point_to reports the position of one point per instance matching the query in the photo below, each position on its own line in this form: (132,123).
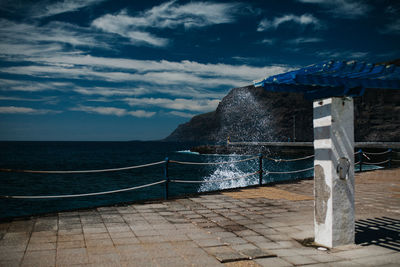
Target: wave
(188,152)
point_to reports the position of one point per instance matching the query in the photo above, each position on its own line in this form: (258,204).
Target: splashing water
(230,171)
(245,118)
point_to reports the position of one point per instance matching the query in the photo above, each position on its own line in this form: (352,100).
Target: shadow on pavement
(383,231)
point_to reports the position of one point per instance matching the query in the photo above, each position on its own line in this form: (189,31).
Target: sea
(72,156)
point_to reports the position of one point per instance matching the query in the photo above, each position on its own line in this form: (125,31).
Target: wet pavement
(250,227)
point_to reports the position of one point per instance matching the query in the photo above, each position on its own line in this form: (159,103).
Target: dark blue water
(103,155)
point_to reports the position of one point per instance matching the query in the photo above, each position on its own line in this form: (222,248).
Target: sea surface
(104,155)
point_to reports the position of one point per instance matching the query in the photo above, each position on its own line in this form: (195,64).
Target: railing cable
(214,181)
(87,194)
(287,160)
(211,163)
(85,171)
(287,172)
(377,153)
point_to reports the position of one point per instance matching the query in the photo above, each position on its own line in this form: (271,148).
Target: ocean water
(104,155)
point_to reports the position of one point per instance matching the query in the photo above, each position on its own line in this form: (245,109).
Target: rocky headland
(254,114)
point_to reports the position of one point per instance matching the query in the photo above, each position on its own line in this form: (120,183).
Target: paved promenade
(249,227)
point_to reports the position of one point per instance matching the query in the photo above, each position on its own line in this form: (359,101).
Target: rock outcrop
(253,114)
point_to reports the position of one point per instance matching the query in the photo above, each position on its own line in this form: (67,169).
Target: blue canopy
(334,78)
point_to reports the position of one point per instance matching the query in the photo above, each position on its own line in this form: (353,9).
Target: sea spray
(244,118)
(233,170)
(223,176)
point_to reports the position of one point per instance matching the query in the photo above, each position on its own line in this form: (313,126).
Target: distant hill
(254,114)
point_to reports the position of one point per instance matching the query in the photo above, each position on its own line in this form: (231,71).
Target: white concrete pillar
(334,171)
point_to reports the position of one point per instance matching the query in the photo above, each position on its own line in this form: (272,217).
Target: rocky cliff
(253,114)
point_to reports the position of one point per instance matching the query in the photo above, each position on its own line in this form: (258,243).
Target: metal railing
(261,171)
(364,158)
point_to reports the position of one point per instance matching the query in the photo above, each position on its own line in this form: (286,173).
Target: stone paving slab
(249,228)
(230,256)
(257,254)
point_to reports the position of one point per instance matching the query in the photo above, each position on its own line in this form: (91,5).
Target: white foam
(228,171)
(188,152)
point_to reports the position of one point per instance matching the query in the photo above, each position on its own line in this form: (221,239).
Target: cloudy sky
(128,70)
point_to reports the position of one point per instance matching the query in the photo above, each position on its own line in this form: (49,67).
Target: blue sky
(134,70)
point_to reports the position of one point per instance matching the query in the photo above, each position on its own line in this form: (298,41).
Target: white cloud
(31,86)
(136,27)
(303,20)
(151,72)
(101,110)
(46,52)
(348,55)
(172,15)
(22,39)
(192,14)
(161,78)
(50,99)
(181,114)
(392,28)
(167,15)
(41,9)
(13,49)
(25,110)
(123,25)
(141,113)
(202,105)
(342,8)
(110,91)
(138,37)
(302,40)
(133,78)
(181,91)
(114,111)
(264,25)
(144,66)
(268,41)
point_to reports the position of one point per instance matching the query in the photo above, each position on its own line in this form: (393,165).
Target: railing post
(361,158)
(390,158)
(260,156)
(166,177)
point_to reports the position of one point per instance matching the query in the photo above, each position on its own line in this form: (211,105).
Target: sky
(99,70)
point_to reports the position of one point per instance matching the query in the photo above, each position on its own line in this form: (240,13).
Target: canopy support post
(334,219)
